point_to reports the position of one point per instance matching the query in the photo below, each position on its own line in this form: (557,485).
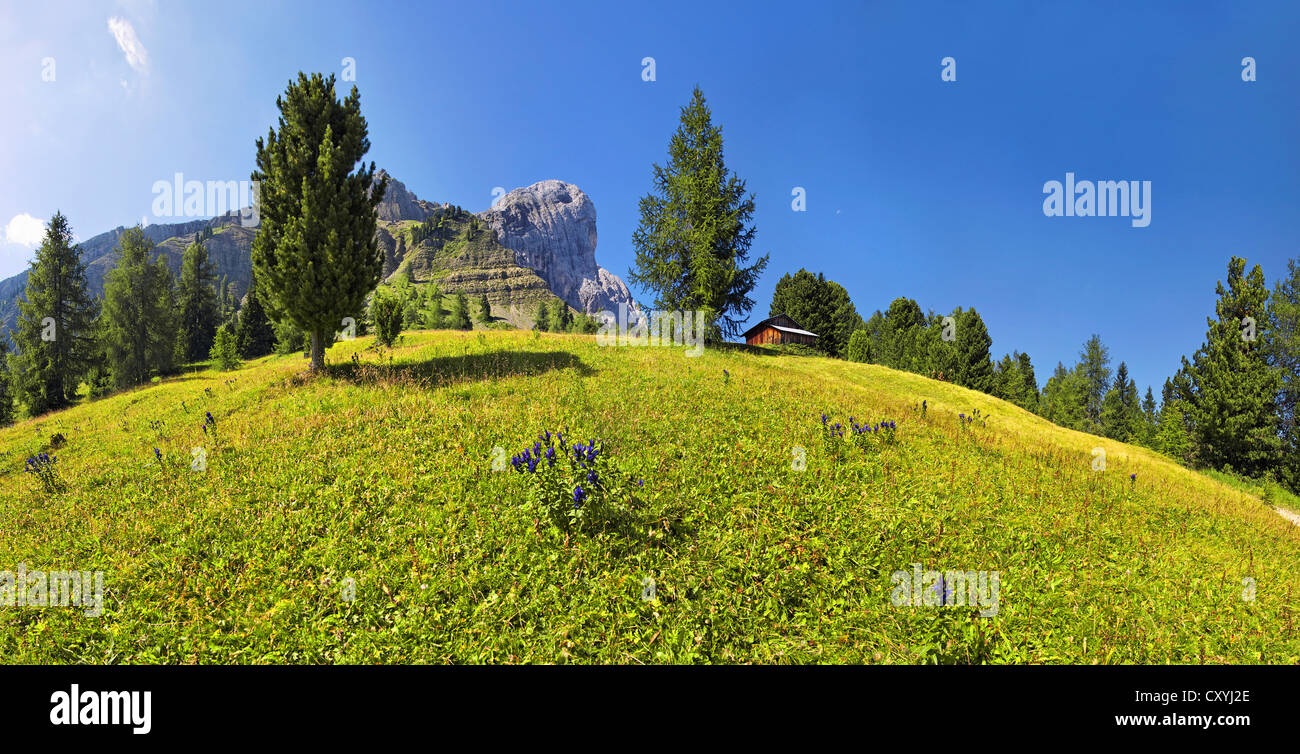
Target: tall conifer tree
(693,241)
(197,302)
(315,251)
(139,321)
(55,329)
(1233,388)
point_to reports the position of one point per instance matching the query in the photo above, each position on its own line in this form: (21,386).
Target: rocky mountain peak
(399,203)
(551,227)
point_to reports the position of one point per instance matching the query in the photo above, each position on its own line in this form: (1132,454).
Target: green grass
(383,473)
(1270,491)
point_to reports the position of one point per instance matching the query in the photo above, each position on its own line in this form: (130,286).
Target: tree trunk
(317,351)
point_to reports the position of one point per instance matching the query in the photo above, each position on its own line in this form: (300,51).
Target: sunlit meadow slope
(382,473)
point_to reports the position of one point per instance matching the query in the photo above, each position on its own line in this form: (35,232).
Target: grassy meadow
(376,482)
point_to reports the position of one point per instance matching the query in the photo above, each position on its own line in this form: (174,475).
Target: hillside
(382,472)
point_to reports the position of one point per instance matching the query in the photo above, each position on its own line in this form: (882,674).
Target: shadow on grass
(446,369)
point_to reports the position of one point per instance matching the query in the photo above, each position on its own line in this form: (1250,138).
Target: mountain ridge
(548,263)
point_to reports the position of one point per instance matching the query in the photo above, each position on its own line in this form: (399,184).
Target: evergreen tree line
(148,322)
(1231,407)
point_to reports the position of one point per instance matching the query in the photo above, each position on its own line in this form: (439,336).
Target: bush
(224,350)
(387,313)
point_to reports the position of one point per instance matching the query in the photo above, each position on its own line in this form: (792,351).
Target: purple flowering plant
(570,481)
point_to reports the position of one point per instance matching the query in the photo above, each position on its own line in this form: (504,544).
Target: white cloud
(136,55)
(24,229)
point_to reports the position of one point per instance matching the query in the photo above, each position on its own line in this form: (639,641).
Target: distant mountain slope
(538,240)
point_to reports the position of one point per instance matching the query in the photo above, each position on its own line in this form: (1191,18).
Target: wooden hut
(778,330)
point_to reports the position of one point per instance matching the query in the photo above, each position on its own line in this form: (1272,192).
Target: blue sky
(915,186)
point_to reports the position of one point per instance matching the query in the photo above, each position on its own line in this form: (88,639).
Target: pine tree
(224,352)
(460,313)
(255,336)
(1121,413)
(561,318)
(900,332)
(1172,437)
(99,380)
(386,311)
(859,346)
(1029,390)
(1147,435)
(974,364)
(693,239)
(434,318)
(54,335)
(1233,388)
(1094,368)
(542,321)
(315,251)
(197,302)
(484,309)
(1063,399)
(139,318)
(819,305)
(1013,384)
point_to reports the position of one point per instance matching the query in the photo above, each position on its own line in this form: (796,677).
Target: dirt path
(1288,515)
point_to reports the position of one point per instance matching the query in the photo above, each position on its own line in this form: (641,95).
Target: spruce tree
(255,336)
(197,302)
(315,251)
(54,334)
(1233,388)
(694,237)
(543,319)
(139,319)
(484,309)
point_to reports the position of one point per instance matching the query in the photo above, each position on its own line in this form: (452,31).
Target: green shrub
(387,313)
